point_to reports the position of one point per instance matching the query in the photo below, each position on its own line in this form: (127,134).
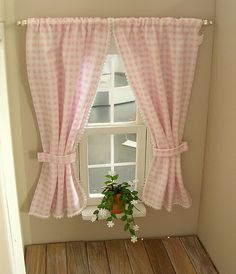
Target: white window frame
(111,128)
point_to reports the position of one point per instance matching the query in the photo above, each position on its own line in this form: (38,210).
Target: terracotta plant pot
(117,206)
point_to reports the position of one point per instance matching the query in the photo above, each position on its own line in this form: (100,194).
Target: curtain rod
(23,22)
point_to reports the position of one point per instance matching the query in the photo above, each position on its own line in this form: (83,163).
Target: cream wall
(2,10)
(26,136)
(217,223)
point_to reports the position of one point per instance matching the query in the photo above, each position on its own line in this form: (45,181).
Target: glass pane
(101,99)
(99,115)
(120,79)
(97,179)
(126,173)
(99,149)
(124,109)
(125,147)
(100,112)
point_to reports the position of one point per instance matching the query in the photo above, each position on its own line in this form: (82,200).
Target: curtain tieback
(170,152)
(56,159)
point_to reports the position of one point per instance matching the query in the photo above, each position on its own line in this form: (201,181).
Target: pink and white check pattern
(65,57)
(160,56)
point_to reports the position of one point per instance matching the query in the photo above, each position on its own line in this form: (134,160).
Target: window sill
(87,213)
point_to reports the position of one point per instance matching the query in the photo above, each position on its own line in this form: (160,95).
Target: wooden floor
(182,255)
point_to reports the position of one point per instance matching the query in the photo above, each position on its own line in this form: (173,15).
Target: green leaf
(132,232)
(124,218)
(114,215)
(129,211)
(122,197)
(130,207)
(134,192)
(122,207)
(107,182)
(127,226)
(108,176)
(105,190)
(115,177)
(109,218)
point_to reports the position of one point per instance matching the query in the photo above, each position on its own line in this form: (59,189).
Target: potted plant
(118,202)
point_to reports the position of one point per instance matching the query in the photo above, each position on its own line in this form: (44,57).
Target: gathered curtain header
(123,21)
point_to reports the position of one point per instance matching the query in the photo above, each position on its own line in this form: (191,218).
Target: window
(115,136)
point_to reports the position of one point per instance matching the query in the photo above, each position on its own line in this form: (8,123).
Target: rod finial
(21,22)
(207,22)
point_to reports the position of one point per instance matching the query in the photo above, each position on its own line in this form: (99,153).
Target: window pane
(124,147)
(101,99)
(100,112)
(125,112)
(97,179)
(120,79)
(99,149)
(126,173)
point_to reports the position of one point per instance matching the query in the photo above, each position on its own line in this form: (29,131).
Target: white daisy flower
(103,212)
(111,173)
(130,183)
(94,218)
(134,202)
(135,227)
(135,181)
(134,239)
(110,224)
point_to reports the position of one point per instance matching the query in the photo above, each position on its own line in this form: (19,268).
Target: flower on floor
(134,202)
(134,239)
(110,224)
(94,218)
(135,227)
(103,212)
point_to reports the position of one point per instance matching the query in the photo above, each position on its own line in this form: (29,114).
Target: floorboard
(56,259)
(77,261)
(97,258)
(138,257)
(197,255)
(118,257)
(35,259)
(178,256)
(158,256)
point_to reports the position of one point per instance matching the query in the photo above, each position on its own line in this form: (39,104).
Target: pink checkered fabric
(65,57)
(160,56)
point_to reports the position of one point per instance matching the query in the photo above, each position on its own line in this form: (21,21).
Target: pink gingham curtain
(65,58)
(160,56)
